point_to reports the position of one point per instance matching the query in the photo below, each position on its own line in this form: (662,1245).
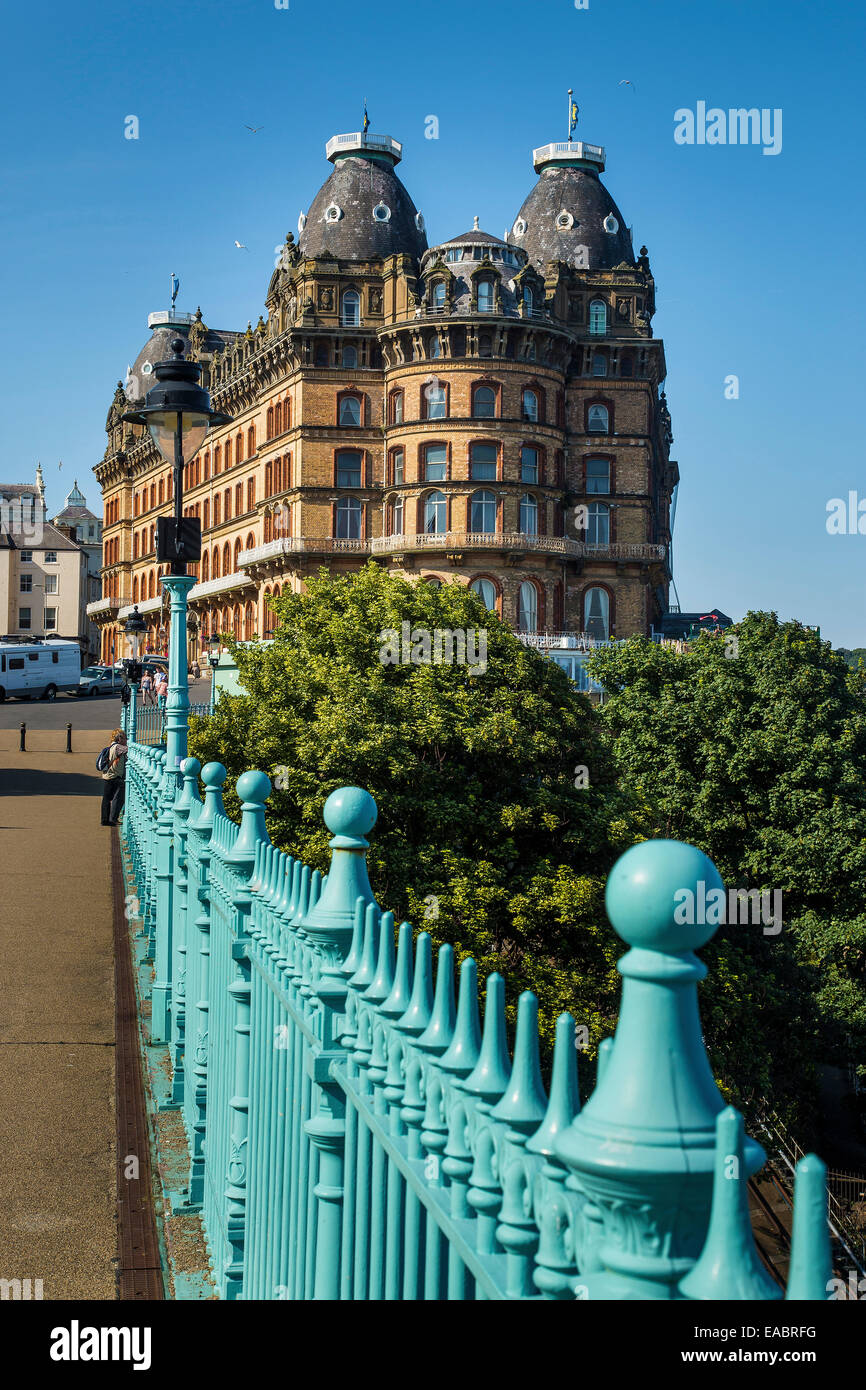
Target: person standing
(161,688)
(146,688)
(114,778)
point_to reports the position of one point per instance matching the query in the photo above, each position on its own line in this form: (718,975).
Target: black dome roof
(592,220)
(359,184)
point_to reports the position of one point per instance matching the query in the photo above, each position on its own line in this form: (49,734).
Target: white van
(38,669)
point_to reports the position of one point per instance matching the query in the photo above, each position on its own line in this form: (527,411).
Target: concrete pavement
(57,1058)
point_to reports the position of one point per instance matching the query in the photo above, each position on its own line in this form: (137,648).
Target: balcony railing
(568,149)
(102,606)
(476,540)
(237,580)
(356,139)
(301,545)
(622,552)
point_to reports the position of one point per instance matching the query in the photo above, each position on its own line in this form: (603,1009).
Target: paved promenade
(57,1054)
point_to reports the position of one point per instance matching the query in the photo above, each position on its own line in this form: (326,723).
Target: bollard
(22,747)
(69,738)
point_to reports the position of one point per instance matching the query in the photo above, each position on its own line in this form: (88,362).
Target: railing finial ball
(350,813)
(658,896)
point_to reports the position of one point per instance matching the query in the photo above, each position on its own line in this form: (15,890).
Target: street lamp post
(213,657)
(178,414)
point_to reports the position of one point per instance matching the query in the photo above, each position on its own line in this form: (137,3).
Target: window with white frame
(51,583)
(350,410)
(351,307)
(598,317)
(435,513)
(484,403)
(596,614)
(349,468)
(598,420)
(482,515)
(598,524)
(485,297)
(349,519)
(530,406)
(528,515)
(598,475)
(50,619)
(435,463)
(482,462)
(528,464)
(527,607)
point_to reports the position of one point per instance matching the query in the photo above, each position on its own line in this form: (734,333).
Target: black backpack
(102,760)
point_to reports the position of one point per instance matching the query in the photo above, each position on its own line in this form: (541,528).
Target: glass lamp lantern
(134,629)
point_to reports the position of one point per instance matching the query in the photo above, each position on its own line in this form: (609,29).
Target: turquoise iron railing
(356,1133)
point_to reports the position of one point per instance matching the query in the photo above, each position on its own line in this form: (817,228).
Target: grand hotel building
(490,410)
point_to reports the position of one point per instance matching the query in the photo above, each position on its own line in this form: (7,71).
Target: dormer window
(381,213)
(598,317)
(519,228)
(351,306)
(528,300)
(439,295)
(485,297)
(333,213)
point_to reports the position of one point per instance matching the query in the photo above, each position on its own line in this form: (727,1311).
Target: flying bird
(241,247)
(254,128)
(626,82)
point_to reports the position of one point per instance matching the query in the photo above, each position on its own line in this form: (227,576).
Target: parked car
(100,680)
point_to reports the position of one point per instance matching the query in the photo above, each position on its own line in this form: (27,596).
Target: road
(97,712)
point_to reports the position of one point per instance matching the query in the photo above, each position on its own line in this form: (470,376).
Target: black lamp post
(213,658)
(134,629)
(178,414)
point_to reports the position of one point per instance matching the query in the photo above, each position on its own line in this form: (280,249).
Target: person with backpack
(112,764)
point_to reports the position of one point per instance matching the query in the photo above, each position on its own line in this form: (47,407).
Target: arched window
(349,356)
(248,622)
(227,558)
(349,468)
(237,553)
(161,491)
(350,410)
(153,495)
(227,504)
(239,447)
(434,347)
(270,422)
(598,475)
(438,299)
(206,515)
(217,458)
(239,499)
(482,462)
(435,513)
(530,406)
(484,402)
(135,546)
(598,524)
(527,607)
(135,505)
(598,317)
(485,297)
(349,519)
(251,441)
(599,364)
(216,510)
(486,591)
(268,527)
(598,420)
(395,407)
(205,567)
(435,462)
(236,622)
(228,454)
(351,308)
(528,301)
(151,584)
(215,568)
(596,614)
(135,589)
(287,414)
(397,467)
(482,512)
(251,493)
(435,400)
(528,515)
(395,527)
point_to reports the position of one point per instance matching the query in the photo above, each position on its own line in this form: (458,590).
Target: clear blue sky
(758,259)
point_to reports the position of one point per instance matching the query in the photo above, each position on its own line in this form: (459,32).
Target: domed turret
(362,211)
(569,215)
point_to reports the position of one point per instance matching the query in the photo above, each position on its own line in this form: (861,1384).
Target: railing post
(22,748)
(253,788)
(69,738)
(185,807)
(643,1148)
(350,814)
(132,712)
(164,859)
(213,776)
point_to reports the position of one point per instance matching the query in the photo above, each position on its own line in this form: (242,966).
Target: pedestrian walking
(196,671)
(112,764)
(161,688)
(146,688)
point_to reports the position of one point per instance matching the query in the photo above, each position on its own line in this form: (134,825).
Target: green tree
(751,744)
(483,837)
